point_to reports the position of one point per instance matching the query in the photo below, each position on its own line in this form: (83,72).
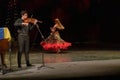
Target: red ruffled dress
(54,42)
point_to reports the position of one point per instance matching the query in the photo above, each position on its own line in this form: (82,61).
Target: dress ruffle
(55,46)
(54,42)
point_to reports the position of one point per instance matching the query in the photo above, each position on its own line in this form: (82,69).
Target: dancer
(54,42)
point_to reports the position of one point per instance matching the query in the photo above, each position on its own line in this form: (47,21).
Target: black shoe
(29,65)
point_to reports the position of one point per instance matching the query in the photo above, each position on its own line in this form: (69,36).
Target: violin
(31,20)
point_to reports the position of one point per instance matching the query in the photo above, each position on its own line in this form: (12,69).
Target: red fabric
(55,46)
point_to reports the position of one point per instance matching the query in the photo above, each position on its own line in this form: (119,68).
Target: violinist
(23,29)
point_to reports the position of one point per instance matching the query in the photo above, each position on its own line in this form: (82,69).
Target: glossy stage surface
(70,64)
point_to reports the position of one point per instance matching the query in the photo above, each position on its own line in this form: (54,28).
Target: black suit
(23,41)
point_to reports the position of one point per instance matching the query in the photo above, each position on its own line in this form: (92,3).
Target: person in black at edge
(23,37)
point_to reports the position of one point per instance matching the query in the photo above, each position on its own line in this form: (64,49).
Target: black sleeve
(18,23)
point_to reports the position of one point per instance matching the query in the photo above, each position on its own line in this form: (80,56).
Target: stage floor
(70,64)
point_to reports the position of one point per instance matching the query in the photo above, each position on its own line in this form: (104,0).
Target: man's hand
(25,24)
(35,21)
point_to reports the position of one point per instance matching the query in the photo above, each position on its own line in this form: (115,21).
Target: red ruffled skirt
(55,46)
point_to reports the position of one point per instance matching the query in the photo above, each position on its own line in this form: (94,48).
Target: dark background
(88,23)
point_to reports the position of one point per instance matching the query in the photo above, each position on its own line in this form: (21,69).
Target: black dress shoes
(29,65)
